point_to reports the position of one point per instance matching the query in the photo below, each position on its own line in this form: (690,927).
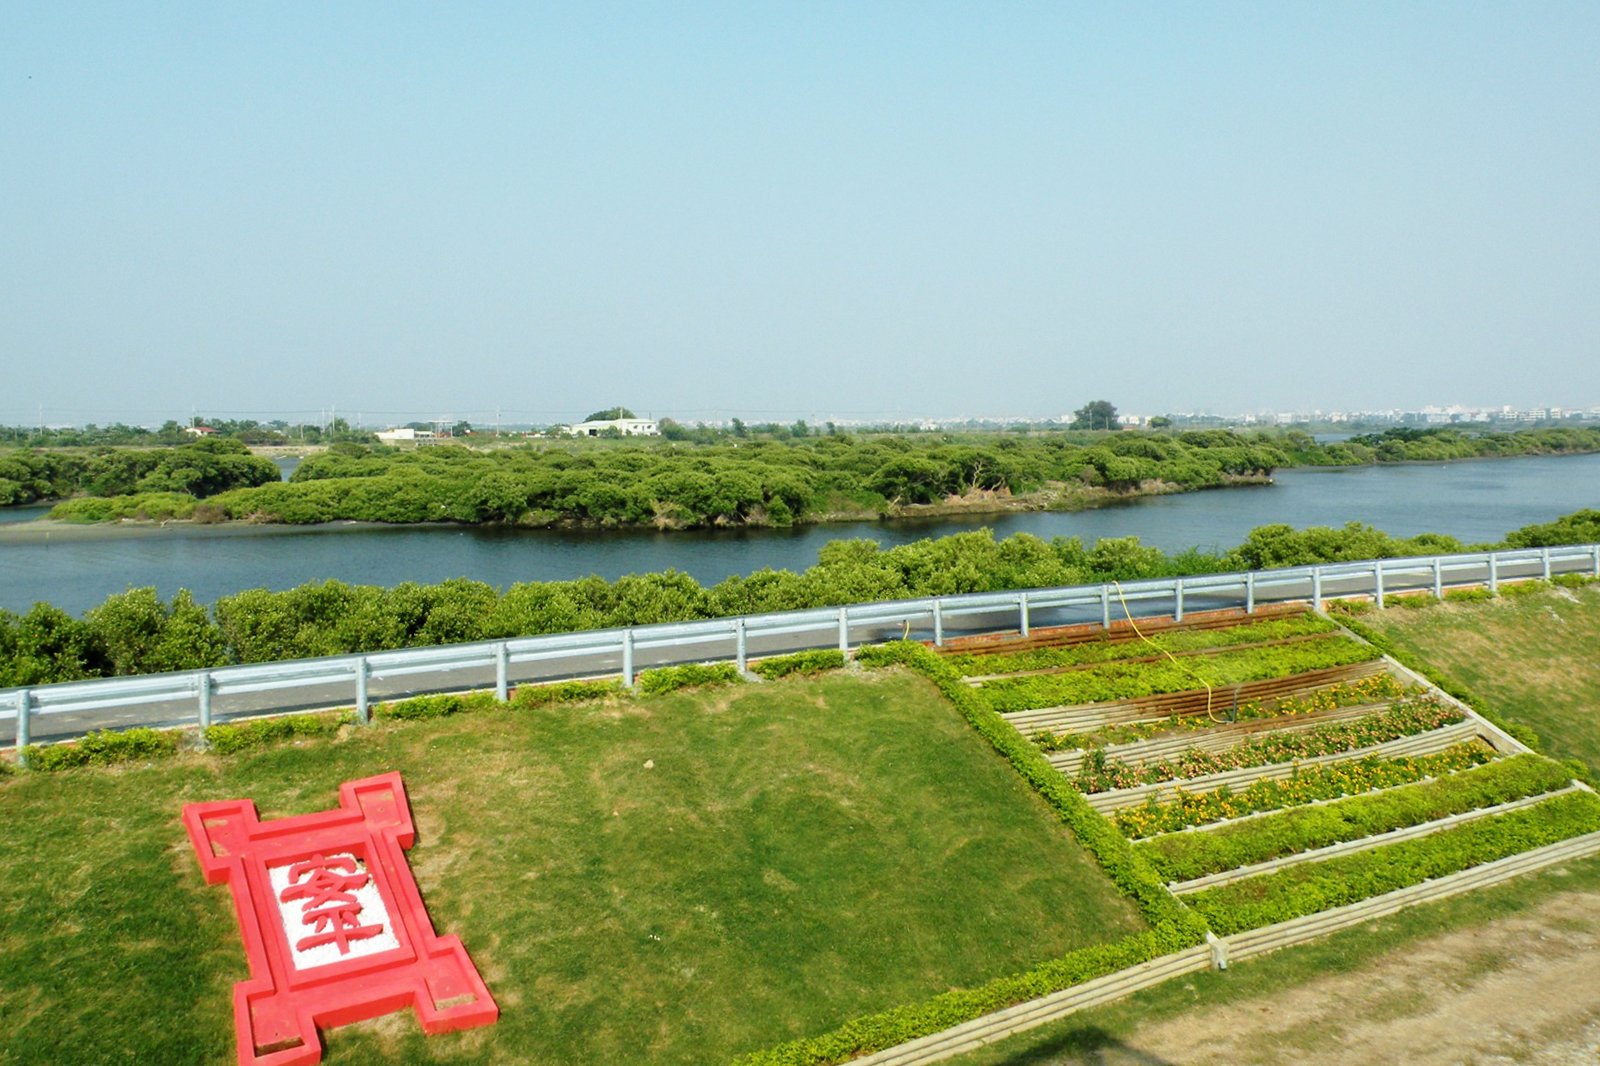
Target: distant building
(200,431)
(628,427)
(406,435)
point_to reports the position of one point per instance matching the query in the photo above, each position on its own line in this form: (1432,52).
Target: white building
(405,435)
(628,427)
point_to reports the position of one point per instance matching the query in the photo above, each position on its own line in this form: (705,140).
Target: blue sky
(807,209)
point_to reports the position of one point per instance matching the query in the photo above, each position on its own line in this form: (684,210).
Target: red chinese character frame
(278,1010)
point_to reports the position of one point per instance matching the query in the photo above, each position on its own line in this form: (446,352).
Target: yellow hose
(1140,634)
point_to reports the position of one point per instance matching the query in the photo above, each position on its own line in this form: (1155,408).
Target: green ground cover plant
(1307,785)
(1102,773)
(1317,886)
(1119,681)
(975,664)
(1186,856)
(798,853)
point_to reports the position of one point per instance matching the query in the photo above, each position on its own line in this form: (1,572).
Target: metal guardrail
(201,697)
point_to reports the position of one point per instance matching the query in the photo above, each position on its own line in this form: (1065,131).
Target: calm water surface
(1475,501)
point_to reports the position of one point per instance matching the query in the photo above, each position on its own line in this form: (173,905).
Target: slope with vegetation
(136,632)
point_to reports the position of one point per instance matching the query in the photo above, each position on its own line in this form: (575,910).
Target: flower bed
(1306,785)
(1186,856)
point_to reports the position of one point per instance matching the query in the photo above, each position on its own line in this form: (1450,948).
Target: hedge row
(103,748)
(690,675)
(1185,856)
(1100,773)
(1173,926)
(1307,785)
(1120,681)
(972,664)
(803,662)
(1313,887)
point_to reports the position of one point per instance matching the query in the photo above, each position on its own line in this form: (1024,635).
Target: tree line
(670,485)
(195,470)
(136,632)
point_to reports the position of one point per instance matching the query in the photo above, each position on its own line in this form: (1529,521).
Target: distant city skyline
(809,210)
(488,418)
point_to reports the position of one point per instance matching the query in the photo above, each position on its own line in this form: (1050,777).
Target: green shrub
(805,662)
(1102,774)
(104,747)
(690,675)
(1185,856)
(527,696)
(1574,581)
(1313,887)
(1413,601)
(1472,595)
(1349,607)
(1516,589)
(419,707)
(233,737)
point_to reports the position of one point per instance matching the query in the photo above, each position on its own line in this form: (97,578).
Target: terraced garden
(1279,769)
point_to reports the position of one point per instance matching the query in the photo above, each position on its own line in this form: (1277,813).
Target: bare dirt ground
(1522,989)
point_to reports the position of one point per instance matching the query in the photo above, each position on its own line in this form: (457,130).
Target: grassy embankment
(1529,657)
(798,854)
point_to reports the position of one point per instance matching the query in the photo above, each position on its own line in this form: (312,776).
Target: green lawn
(1534,658)
(799,853)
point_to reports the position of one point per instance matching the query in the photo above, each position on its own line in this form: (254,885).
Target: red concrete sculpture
(334,927)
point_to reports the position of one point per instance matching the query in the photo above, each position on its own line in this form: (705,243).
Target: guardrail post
(1177,600)
(1544,558)
(363,711)
(741,657)
(502,670)
(938,623)
(1596,550)
(627,657)
(844,631)
(1022,614)
(24,734)
(202,691)
(1250,592)
(1377,584)
(1105,607)
(1494,574)
(1438,578)
(1316,588)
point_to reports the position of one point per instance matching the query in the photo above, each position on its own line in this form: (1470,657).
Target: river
(1477,501)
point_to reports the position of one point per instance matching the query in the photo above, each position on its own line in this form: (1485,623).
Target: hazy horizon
(796,210)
